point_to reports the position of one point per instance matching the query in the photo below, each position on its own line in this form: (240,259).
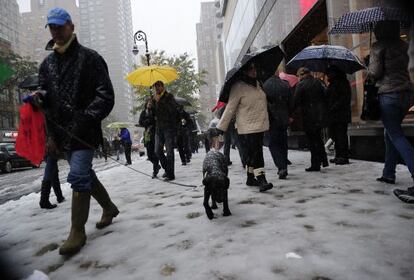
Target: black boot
(251,181)
(44,196)
(264,185)
(58,191)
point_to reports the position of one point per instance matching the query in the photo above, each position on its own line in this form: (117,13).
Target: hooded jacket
(79,95)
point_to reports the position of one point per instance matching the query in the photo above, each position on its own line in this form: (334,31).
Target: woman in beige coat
(248,103)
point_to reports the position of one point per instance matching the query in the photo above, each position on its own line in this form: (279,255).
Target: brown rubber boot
(80,212)
(110,210)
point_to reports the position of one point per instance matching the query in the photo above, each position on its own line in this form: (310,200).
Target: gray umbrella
(319,58)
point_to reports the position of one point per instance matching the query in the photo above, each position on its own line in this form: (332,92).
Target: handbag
(370,107)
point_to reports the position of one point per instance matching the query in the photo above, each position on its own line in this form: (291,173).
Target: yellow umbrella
(148,75)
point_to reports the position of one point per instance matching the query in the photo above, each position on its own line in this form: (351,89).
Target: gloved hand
(217,132)
(51,147)
(35,98)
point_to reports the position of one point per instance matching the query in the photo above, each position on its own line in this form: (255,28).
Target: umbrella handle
(370,35)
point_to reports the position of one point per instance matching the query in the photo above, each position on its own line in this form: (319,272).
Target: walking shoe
(282,173)
(169,178)
(251,181)
(332,160)
(183,163)
(406,196)
(386,180)
(263,184)
(156,170)
(313,168)
(164,175)
(341,161)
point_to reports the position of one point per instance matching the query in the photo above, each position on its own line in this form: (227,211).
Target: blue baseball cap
(57,16)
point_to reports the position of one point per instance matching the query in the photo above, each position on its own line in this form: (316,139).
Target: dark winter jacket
(125,136)
(185,123)
(279,101)
(339,100)
(310,96)
(147,119)
(166,112)
(389,59)
(116,144)
(79,95)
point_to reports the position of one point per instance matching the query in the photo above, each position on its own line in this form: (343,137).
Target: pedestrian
(310,96)
(167,118)
(126,142)
(116,146)
(339,113)
(147,120)
(388,67)
(247,102)
(50,180)
(279,105)
(106,149)
(183,136)
(78,96)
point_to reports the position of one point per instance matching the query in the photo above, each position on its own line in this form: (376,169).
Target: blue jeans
(81,173)
(278,146)
(394,107)
(51,169)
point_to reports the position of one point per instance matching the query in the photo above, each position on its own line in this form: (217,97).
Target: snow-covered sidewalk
(335,224)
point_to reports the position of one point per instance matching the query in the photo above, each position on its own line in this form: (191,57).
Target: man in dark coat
(78,95)
(279,105)
(310,96)
(166,118)
(339,114)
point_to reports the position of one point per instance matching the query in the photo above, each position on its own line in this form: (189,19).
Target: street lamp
(141,36)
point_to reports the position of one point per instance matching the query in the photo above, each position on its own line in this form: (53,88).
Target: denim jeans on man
(81,173)
(394,107)
(166,137)
(278,146)
(51,169)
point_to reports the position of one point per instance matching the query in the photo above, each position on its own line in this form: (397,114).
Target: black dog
(216,182)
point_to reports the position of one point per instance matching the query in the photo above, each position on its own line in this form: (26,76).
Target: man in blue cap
(78,96)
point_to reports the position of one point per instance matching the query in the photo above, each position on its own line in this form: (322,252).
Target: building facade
(10,23)
(9,42)
(34,35)
(106,26)
(209,54)
(294,25)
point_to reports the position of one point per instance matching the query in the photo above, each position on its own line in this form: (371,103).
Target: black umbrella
(30,82)
(266,60)
(363,21)
(182,101)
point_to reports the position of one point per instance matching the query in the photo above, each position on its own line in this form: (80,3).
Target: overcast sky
(169,24)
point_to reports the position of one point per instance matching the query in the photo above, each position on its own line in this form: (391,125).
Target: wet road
(24,181)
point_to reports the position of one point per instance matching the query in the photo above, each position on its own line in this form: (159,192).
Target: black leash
(127,166)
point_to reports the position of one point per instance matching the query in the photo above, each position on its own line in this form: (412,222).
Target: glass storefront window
(245,15)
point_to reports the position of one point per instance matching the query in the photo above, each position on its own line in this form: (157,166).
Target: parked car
(9,159)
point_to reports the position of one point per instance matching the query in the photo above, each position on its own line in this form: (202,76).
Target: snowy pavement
(335,224)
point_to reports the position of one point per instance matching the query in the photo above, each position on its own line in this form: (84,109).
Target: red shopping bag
(31,140)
